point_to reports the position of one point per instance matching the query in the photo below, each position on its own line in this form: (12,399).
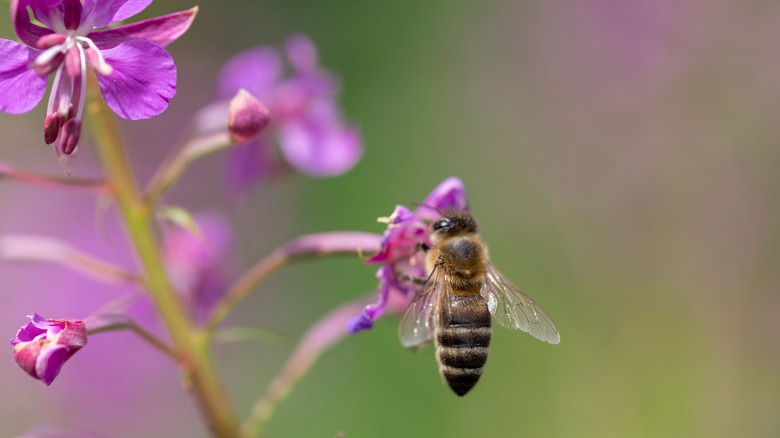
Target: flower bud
(42,346)
(247,117)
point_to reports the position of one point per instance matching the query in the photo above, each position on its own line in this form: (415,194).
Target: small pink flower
(42,346)
(400,256)
(308,127)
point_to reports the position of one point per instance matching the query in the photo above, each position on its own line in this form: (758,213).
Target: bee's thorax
(463,260)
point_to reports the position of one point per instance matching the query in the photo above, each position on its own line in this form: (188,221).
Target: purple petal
(27,333)
(365,320)
(48,12)
(143,80)
(251,163)
(101,13)
(320,150)
(38,321)
(161,30)
(302,53)
(449,195)
(28,32)
(50,362)
(255,70)
(20,87)
(359,323)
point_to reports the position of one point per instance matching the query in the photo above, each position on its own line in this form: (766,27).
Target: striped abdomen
(462,338)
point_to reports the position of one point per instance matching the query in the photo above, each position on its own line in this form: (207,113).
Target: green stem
(192,346)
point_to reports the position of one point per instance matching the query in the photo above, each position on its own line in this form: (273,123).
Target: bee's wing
(512,308)
(417,324)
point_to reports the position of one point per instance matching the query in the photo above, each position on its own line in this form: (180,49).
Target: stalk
(191,345)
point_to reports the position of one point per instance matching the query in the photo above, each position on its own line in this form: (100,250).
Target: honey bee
(454,305)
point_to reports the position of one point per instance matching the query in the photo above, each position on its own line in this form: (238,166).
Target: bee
(454,305)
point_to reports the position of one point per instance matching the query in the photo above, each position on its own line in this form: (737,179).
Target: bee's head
(454,223)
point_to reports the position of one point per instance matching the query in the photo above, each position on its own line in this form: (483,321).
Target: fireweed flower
(199,265)
(137,77)
(400,257)
(42,346)
(306,121)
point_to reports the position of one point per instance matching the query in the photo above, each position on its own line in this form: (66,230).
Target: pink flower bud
(42,346)
(247,117)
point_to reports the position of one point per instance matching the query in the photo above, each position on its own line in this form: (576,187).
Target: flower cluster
(307,124)
(137,77)
(42,346)
(400,257)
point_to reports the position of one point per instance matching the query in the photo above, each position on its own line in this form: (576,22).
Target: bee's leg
(410,279)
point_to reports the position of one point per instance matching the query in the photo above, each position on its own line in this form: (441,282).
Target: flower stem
(318,339)
(193,349)
(176,164)
(313,245)
(122,322)
(10,172)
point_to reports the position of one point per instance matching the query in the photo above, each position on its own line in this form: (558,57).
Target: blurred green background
(622,158)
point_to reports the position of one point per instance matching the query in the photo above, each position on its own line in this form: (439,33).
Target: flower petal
(50,361)
(143,80)
(251,163)
(320,150)
(20,87)
(255,70)
(27,333)
(301,53)
(161,30)
(28,32)
(101,13)
(449,195)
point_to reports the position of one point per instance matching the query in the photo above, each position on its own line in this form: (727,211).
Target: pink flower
(42,346)
(306,120)
(136,75)
(400,256)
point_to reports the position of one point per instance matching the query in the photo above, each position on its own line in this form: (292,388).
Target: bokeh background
(623,160)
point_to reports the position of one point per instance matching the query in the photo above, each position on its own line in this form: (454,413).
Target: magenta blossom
(306,120)
(400,256)
(42,346)
(136,75)
(199,265)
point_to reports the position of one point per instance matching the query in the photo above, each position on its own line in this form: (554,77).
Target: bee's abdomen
(462,341)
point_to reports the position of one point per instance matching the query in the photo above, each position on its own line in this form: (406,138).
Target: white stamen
(83,91)
(55,88)
(47,55)
(101,66)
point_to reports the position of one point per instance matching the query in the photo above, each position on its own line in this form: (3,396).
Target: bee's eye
(438,225)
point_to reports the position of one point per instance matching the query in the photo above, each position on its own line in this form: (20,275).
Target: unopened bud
(247,117)
(42,346)
(71,133)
